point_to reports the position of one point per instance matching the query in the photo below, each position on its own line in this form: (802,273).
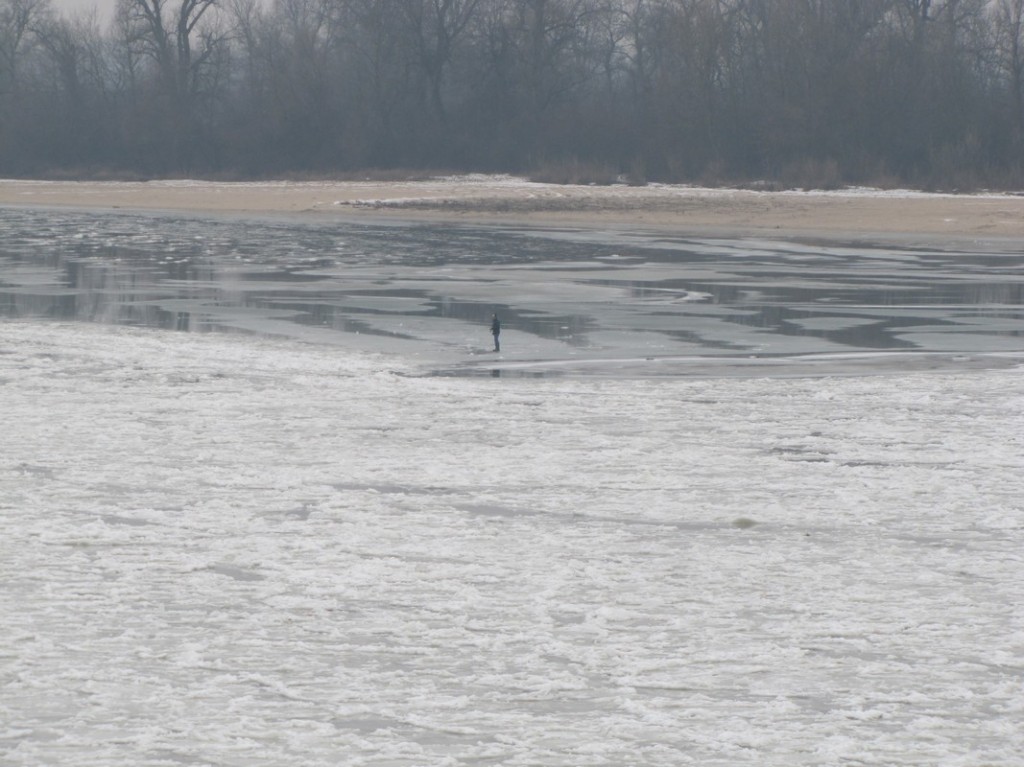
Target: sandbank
(505,199)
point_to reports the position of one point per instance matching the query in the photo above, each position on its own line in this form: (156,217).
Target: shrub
(811,173)
(575,172)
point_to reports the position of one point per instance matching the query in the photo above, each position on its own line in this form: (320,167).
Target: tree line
(802,92)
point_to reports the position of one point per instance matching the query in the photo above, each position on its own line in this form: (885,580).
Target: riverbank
(506,199)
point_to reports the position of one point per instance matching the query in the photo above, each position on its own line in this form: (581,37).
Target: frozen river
(605,301)
(233,549)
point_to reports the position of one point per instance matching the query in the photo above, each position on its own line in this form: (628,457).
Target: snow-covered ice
(225,550)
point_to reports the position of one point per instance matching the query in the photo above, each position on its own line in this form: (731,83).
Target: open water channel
(606,301)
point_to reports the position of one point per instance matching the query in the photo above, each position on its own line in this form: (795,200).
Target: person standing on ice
(496,331)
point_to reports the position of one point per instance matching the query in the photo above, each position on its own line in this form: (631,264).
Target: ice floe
(240,551)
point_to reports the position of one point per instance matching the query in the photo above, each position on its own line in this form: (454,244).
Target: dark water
(562,294)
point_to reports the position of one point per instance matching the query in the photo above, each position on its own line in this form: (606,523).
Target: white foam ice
(240,551)
(485,185)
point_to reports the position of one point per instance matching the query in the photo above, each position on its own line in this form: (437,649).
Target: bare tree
(174,39)
(184,46)
(18,21)
(303,80)
(1009,35)
(436,27)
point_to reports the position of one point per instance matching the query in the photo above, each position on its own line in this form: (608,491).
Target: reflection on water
(558,292)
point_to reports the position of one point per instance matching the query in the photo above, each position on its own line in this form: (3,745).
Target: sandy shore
(852,213)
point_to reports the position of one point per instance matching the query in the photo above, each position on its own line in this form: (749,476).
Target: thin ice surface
(234,551)
(577,301)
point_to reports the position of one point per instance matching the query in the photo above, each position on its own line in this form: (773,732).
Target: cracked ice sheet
(236,551)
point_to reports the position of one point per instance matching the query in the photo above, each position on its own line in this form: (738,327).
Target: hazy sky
(104,7)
